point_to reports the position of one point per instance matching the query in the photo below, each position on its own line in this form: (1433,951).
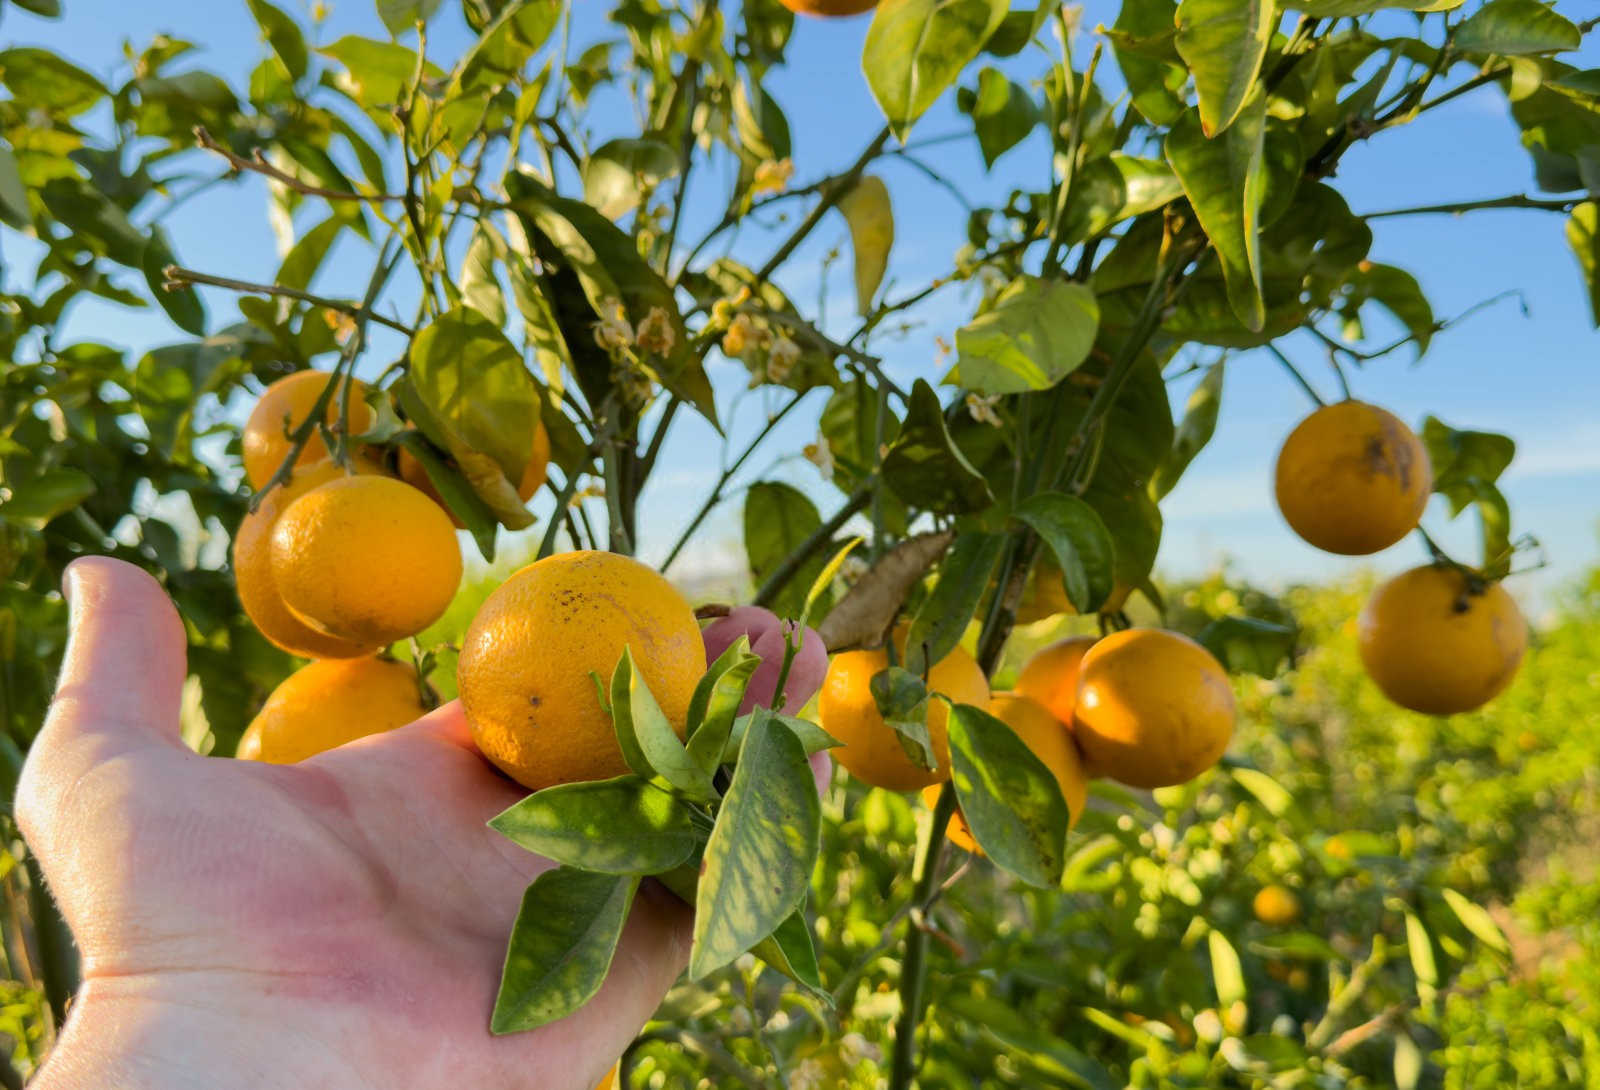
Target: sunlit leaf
(1077,537)
(915,49)
(283,34)
(1224,43)
(619,173)
(1003,113)
(866,209)
(1516,27)
(1011,801)
(1476,919)
(1036,333)
(626,825)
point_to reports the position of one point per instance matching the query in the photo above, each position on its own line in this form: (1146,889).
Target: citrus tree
(566,297)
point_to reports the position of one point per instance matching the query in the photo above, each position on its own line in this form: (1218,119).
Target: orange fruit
(1049,740)
(366,559)
(1045,595)
(1434,645)
(1352,479)
(1154,708)
(609,1082)
(283,405)
(829,8)
(524,669)
(871,749)
(1276,905)
(252,568)
(326,704)
(1051,675)
(533,474)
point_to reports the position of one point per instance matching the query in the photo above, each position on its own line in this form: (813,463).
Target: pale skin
(335,924)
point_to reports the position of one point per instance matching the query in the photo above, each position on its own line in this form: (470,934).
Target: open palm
(341,922)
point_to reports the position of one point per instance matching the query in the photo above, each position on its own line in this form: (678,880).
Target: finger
(121,683)
(447,723)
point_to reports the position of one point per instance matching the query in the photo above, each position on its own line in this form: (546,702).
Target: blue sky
(1534,377)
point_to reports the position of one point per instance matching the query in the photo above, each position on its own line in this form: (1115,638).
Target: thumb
(120,689)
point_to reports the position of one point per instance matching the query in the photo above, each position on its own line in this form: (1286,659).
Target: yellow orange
(1434,642)
(829,8)
(366,559)
(1352,479)
(1154,708)
(283,405)
(252,568)
(871,749)
(1276,905)
(524,672)
(1051,675)
(326,704)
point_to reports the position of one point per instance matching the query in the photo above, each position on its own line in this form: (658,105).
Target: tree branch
(178,277)
(1515,200)
(257,163)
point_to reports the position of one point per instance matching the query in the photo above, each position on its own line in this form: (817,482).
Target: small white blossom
(782,358)
(853,1048)
(655,333)
(612,332)
(982,409)
(820,455)
(809,1075)
(772,177)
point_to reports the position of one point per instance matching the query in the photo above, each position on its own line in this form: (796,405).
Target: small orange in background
(1154,708)
(1048,739)
(533,474)
(1352,479)
(1276,905)
(369,560)
(829,8)
(524,669)
(1051,675)
(326,704)
(1437,641)
(252,567)
(611,1080)
(283,405)
(870,749)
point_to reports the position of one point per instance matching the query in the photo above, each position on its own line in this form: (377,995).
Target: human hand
(337,923)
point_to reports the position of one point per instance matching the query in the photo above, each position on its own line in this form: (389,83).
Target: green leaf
(1583,235)
(1408,1062)
(1010,800)
(13,194)
(944,614)
(45,81)
(561,946)
(1224,43)
(50,9)
(1460,457)
(1199,424)
(473,379)
(1036,333)
(95,220)
(608,266)
(627,825)
(925,468)
(1003,113)
(646,735)
(1226,972)
(715,703)
(1249,645)
(480,286)
(791,951)
(1143,40)
(1420,946)
(813,739)
(1271,794)
(1338,9)
(619,173)
(1082,545)
(1029,1043)
(759,122)
(1516,28)
(915,49)
(1118,187)
(519,30)
(758,861)
(777,518)
(283,34)
(866,210)
(182,305)
(1225,182)
(458,494)
(400,16)
(35,501)
(1296,946)
(902,701)
(305,257)
(1018,28)
(376,73)
(1476,920)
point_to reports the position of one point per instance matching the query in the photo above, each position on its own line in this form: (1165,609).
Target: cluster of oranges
(1352,479)
(338,560)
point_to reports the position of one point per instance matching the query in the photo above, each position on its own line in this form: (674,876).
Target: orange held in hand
(326,704)
(533,474)
(283,406)
(1049,740)
(524,673)
(1051,675)
(1154,708)
(252,568)
(366,559)
(871,749)
(1436,640)
(1352,479)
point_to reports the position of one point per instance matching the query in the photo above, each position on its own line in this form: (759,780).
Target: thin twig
(1294,372)
(818,540)
(258,164)
(1515,200)
(831,194)
(178,277)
